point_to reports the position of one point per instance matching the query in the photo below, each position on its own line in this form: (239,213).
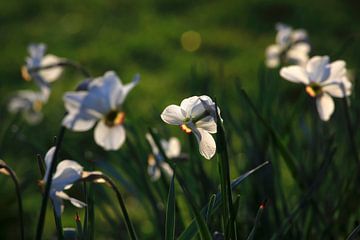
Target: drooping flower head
(67,173)
(322,80)
(29,104)
(172,149)
(195,115)
(101,104)
(291,46)
(36,59)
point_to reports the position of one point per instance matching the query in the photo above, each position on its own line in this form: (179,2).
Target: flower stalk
(12,174)
(41,220)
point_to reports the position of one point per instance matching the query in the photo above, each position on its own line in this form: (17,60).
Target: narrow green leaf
(257,220)
(192,229)
(224,172)
(170,212)
(210,207)
(288,157)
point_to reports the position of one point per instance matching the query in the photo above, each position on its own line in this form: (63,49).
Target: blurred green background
(145,37)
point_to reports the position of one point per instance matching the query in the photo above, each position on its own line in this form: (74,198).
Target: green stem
(63,63)
(18,195)
(41,220)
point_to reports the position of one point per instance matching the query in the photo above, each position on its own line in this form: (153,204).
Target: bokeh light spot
(191,41)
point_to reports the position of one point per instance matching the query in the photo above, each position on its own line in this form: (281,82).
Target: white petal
(298,54)
(299,35)
(75,123)
(51,74)
(85,106)
(208,124)
(110,138)
(67,172)
(174,148)
(188,104)
(294,74)
(125,89)
(57,203)
(272,55)
(167,169)
(318,69)
(337,70)
(173,114)
(48,159)
(207,145)
(75,202)
(325,106)
(151,141)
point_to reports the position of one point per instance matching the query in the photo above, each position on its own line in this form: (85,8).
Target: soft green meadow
(279,171)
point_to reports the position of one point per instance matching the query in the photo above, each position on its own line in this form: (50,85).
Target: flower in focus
(29,104)
(101,104)
(67,173)
(291,47)
(323,80)
(38,59)
(172,149)
(195,115)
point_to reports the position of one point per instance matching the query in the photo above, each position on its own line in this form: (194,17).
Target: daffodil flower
(290,46)
(323,80)
(195,115)
(101,104)
(67,173)
(38,59)
(29,104)
(172,149)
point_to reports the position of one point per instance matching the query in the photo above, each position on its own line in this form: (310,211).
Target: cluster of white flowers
(29,102)
(291,46)
(322,79)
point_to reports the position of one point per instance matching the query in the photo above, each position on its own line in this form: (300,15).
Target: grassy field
(311,183)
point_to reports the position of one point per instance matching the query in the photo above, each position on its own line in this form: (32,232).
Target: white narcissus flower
(172,149)
(323,80)
(195,115)
(67,173)
(101,104)
(29,104)
(36,59)
(290,46)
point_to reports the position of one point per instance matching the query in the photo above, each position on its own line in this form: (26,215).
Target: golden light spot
(25,73)
(185,128)
(190,41)
(37,105)
(114,118)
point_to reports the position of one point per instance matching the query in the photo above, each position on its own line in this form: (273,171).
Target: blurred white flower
(66,174)
(290,46)
(195,115)
(101,104)
(29,104)
(156,160)
(323,80)
(36,59)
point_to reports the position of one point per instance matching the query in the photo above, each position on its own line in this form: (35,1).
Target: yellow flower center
(37,105)
(313,89)
(114,118)
(185,128)
(25,73)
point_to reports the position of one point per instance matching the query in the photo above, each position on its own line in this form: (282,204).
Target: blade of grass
(354,234)
(257,220)
(288,157)
(224,172)
(170,212)
(192,229)
(210,208)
